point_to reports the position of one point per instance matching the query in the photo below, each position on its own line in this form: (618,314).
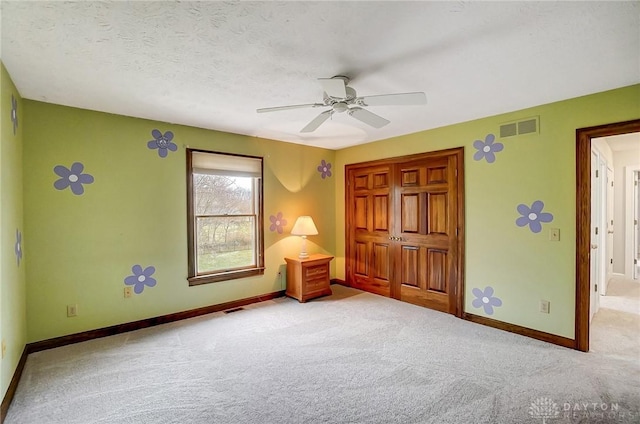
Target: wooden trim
(402,159)
(224,276)
(191,250)
(583,220)
(149,322)
(461,233)
(340,282)
(523,331)
(13,385)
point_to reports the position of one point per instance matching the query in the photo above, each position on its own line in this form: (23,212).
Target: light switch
(544,306)
(554,234)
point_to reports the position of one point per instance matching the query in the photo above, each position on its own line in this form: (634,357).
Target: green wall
(521,266)
(82,247)
(13,322)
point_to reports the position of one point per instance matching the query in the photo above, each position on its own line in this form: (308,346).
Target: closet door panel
(427,226)
(369,253)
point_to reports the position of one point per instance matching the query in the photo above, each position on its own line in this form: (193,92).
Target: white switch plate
(544,306)
(554,234)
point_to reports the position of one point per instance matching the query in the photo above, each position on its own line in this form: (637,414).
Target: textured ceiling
(212,64)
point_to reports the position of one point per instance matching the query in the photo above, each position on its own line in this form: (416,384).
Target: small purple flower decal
(533,216)
(485,299)
(18,246)
(140,278)
(325,169)
(487,148)
(277,223)
(73,178)
(162,142)
(14,113)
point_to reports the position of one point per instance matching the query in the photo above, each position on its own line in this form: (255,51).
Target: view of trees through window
(225,212)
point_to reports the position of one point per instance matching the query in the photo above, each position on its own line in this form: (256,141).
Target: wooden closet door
(405,229)
(369,208)
(425,224)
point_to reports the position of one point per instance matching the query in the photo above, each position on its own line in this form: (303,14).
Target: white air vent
(524,126)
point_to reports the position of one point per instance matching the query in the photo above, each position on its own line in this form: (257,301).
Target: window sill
(224,276)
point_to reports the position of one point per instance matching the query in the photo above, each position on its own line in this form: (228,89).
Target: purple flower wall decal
(162,142)
(487,148)
(533,216)
(73,178)
(18,246)
(486,299)
(140,278)
(14,113)
(277,223)
(325,169)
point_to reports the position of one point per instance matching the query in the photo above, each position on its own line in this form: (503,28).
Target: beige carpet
(349,358)
(615,329)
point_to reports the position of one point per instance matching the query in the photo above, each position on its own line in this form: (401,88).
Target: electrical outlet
(544,306)
(554,234)
(4,348)
(72,310)
(127,292)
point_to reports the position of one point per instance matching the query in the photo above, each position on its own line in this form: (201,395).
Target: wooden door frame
(583,220)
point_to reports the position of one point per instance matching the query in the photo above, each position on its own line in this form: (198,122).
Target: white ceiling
(212,64)
(624,142)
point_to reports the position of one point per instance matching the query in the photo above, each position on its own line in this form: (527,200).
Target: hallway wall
(621,160)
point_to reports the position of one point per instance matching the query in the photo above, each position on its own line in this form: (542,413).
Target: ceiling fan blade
(273,109)
(418,98)
(368,117)
(334,87)
(317,121)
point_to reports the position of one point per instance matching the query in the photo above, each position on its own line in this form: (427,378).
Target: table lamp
(304,227)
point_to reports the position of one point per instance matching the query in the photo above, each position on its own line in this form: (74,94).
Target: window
(224,208)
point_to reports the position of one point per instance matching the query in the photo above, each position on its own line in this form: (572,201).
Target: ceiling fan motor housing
(340,107)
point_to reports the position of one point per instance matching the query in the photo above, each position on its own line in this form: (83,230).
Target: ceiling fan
(339,98)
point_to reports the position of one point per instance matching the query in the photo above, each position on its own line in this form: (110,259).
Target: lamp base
(303,249)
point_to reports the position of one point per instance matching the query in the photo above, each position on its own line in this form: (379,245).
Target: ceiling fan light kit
(340,98)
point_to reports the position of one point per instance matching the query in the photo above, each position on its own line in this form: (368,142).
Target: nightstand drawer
(316,272)
(316,284)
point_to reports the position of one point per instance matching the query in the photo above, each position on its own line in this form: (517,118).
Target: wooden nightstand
(308,278)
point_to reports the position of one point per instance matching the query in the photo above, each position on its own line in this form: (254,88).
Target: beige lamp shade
(304,226)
